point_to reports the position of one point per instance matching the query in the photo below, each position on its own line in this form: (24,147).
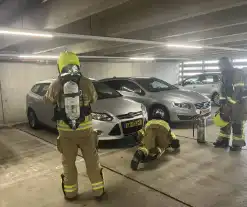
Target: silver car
(206,84)
(158,96)
(113,115)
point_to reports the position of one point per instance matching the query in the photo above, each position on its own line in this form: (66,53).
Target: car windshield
(155,84)
(105,91)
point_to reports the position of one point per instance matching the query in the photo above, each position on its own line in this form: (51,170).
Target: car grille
(115,131)
(131,130)
(203,105)
(129,115)
(183,117)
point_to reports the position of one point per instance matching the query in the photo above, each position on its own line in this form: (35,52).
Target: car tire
(32,119)
(162,110)
(216,99)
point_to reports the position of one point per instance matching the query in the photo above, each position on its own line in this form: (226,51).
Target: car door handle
(194,86)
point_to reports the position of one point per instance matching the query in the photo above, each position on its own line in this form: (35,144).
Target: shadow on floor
(155,164)
(188,125)
(7,155)
(126,142)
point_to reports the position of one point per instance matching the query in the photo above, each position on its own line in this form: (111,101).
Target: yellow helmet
(173,135)
(218,121)
(67,58)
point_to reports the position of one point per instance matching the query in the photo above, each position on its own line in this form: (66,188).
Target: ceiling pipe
(52,57)
(110,39)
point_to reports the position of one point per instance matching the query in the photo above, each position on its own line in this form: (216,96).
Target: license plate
(134,123)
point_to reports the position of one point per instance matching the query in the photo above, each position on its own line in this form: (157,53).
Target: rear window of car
(43,89)
(40,89)
(112,84)
(35,88)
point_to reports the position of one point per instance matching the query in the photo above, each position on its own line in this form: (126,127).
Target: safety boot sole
(100,197)
(235,148)
(138,157)
(221,144)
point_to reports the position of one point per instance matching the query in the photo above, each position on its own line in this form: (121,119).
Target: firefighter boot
(65,197)
(221,143)
(138,157)
(100,197)
(235,148)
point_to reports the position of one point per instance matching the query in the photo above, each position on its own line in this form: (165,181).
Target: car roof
(45,81)
(121,78)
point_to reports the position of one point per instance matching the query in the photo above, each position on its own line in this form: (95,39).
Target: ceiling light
(192,68)
(39,56)
(240,66)
(212,68)
(211,61)
(239,60)
(26,34)
(192,62)
(184,46)
(142,58)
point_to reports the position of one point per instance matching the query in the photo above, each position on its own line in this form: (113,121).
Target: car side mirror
(138,91)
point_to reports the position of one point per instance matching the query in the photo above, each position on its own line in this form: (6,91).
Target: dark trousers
(237,129)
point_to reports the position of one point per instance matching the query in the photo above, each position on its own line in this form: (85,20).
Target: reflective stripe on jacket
(87,124)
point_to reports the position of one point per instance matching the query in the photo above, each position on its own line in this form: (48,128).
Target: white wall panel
(166,71)
(16,80)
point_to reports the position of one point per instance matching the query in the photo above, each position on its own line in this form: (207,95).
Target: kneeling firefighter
(155,138)
(72,94)
(231,116)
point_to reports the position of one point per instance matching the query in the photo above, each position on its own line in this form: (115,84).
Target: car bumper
(115,129)
(183,115)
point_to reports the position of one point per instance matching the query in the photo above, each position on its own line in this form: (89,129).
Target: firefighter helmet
(67,58)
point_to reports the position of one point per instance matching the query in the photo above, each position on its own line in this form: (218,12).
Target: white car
(113,115)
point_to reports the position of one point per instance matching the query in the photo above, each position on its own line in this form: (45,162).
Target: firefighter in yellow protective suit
(76,132)
(155,138)
(230,116)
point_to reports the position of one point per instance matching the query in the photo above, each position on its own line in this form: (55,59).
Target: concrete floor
(198,175)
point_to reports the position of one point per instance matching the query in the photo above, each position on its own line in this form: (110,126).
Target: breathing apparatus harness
(71,107)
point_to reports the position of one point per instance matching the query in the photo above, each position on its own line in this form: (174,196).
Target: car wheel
(32,119)
(216,99)
(162,111)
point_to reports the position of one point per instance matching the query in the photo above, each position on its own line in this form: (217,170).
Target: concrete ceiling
(217,23)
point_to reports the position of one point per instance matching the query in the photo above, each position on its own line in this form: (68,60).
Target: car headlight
(101,116)
(182,105)
(144,109)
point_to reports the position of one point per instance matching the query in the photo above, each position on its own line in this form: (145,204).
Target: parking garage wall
(168,71)
(17,79)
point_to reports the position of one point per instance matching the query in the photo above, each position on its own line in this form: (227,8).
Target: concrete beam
(204,26)
(56,13)
(141,14)
(223,39)
(10,9)
(138,12)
